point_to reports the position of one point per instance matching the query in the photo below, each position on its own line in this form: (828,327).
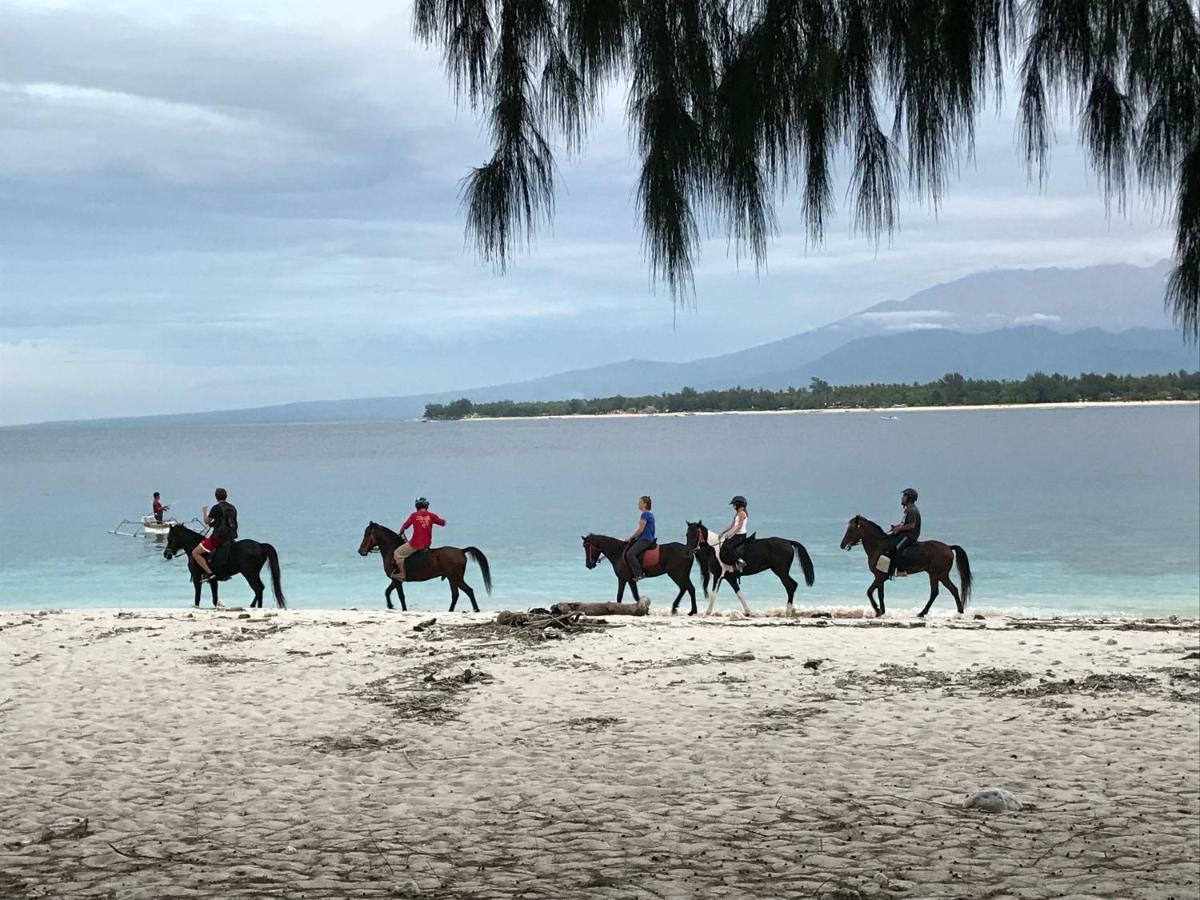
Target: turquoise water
(1062,511)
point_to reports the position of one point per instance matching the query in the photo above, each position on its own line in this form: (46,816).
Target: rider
(421,520)
(741,519)
(641,540)
(222,519)
(159,508)
(909,530)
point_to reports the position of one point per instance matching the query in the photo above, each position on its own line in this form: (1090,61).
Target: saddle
(221,561)
(734,546)
(651,557)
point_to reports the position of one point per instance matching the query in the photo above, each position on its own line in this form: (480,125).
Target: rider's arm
(438,520)
(729,528)
(204,516)
(641,527)
(407,523)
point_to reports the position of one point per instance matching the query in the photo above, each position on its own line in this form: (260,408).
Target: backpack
(227,528)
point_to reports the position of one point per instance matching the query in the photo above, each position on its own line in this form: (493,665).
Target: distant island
(949,390)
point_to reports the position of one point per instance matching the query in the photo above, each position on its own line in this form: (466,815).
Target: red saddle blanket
(650,557)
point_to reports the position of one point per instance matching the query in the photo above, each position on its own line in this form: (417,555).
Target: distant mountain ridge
(999,324)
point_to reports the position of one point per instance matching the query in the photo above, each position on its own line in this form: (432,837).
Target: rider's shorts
(211,543)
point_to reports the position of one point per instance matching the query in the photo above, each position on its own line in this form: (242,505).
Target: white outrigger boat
(148,526)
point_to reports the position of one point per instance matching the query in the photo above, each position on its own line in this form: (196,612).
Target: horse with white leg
(757,554)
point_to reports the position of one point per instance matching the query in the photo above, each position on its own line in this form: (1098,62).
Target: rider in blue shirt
(641,540)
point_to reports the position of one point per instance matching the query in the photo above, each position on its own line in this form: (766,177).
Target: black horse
(244,557)
(759,554)
(674,559)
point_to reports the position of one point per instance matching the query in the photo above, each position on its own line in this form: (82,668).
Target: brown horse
(671,559)
(933,557)
(437,562)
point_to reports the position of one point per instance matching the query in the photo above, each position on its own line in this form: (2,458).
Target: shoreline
(882,410)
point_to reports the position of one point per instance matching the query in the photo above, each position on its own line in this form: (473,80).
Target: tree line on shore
(949,390)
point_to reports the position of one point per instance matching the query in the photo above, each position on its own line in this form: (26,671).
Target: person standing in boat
(159,508)
(642,539)
(738,526)
(222,519)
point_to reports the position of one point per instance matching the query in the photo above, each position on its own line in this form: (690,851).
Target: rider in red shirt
(421,521)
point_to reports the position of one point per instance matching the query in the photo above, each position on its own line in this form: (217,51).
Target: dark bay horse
(439,562)
(933,557)
(674,560)
(760,554)
(241,557)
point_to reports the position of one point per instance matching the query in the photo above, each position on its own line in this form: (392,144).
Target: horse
(245,557)
(674,559)
(438,562)
(759,554)
(933,557)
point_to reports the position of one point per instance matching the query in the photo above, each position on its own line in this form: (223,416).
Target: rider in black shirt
(222,519)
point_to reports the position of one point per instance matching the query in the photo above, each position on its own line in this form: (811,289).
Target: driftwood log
(641,608)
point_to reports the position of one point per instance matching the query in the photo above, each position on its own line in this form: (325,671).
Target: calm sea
(1061,511)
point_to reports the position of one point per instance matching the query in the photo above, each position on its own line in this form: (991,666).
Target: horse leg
(678,597)
(466,589)
(637,598)
(691,589)
(453,594)
(945,579)
(620,588)
(736,583)
(400,594)
(256,584)
(195,581)
(933,592)
(387,595)
(790,584)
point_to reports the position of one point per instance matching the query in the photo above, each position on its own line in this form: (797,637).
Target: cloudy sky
(227,203)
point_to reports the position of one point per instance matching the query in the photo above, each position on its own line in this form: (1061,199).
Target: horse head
(854,533)
(369,541)
(696,535)
(591,553)
(176,540)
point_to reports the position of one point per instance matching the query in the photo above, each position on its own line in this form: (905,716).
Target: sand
(343,754)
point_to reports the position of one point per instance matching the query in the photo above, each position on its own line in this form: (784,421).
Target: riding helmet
(910,493)
(421,503)
(739,500)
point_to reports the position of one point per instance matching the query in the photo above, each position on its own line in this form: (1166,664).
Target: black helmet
(738,500)
(910,493)
(421,503)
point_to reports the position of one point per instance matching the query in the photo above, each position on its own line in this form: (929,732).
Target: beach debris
(993,800)
(66,827)
(979,617)
(1192,655)
(813,664)
(641,608)
(733,657)
(421,626)
(592,724)
(1111,642)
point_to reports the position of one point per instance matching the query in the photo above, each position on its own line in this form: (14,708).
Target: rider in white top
(739,524)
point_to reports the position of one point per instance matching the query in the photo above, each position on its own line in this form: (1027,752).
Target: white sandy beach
(343,754)
(878,410)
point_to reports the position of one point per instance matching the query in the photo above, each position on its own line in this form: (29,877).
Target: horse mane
(864,522)
(387,532)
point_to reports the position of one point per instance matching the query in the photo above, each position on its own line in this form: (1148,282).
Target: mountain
(1005,353)
(991,324)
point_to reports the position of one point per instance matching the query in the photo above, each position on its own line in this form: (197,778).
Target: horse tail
(476,554)
(276,584)
(805,562)
(964,572)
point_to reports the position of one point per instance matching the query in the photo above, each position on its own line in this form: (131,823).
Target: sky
(217,204)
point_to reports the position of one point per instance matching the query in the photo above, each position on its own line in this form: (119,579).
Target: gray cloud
(281,181)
